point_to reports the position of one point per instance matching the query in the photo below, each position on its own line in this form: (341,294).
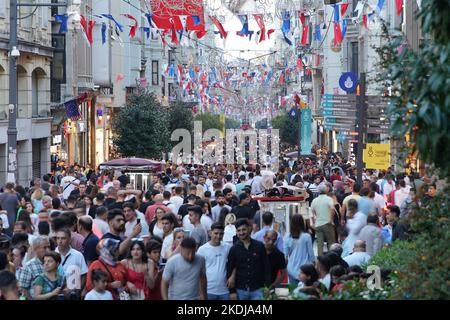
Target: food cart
(137,169)
(283,208)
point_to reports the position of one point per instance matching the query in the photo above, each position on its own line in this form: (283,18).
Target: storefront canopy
(131,164)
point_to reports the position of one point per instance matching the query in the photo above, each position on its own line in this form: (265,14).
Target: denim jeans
(218,296)
(250,295)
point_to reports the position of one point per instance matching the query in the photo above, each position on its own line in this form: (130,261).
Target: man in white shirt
(216,256)
(359,255)
(388,187)
(402,194)
(131,218)
(380,203)
(210,181)
(256,183)
(177,200)
(68,183)
(72,261)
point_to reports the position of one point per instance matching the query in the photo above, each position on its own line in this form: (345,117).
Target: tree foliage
(231,123)
(141,127)
(288,127)
(262,124)
(420,82)
(212,121)
(180,117)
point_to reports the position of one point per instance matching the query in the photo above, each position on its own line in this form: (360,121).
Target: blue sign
(292,113)
(348,82)
(305,132)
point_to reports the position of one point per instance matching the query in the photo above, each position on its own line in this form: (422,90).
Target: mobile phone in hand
(138,221)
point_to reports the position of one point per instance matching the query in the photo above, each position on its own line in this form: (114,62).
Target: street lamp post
(14,53)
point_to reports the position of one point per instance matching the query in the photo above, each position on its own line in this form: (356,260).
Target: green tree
(262,124)
(231,123)
(288,127)
(180,117)
(420,82)
(141,128)
(209,121)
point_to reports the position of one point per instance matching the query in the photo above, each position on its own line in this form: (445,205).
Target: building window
(355,57)
(355,3)
(34,94)
(155,73)
(58,69)
(154,35)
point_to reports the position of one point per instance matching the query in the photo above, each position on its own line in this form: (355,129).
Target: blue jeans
(249,295)
(218,296)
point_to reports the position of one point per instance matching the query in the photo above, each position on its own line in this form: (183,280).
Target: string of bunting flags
(177,27)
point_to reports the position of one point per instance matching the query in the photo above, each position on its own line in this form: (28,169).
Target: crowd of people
(197,232)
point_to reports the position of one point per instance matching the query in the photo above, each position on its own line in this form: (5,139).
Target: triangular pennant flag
(286,27)
(183,20)
(336,13)
(134,27)
(399,6)
(87,28)
(245,32)
(365,20)
(104,28)
(344,27)
(380,5)
(260,21)
(317,35)
(62,18)
(110,17)
(344,7)
(223,33)
(147,31)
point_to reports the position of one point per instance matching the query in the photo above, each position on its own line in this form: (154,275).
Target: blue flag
(104,27)
(317,35)
(110,17)
(196,20)
(62,18)
(344,27)
(286,27)
(72,110)
(336,13)
(147,31)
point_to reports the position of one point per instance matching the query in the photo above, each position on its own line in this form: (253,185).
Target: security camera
(96,87)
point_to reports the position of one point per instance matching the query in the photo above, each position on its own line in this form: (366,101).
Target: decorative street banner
(377,156)
(305,134)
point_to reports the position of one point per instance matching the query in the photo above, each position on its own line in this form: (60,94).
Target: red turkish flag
(337,33)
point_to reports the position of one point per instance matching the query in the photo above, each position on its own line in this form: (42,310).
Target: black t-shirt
(277,262)
(243,212)
(184,209)
(254,205)
(90,247)
(144,205)
(108,202)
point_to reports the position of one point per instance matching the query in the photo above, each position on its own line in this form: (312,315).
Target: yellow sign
(377,156)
